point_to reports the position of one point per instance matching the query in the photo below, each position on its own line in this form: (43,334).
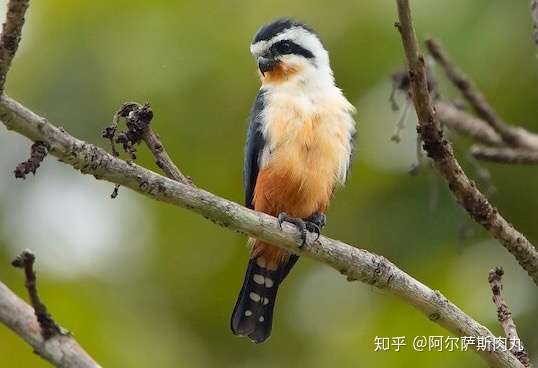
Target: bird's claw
(313,228)
(303,225)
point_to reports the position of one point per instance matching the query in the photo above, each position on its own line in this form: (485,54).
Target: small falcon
(299,146)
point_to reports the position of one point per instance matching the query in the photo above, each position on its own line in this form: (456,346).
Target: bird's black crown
(270,30)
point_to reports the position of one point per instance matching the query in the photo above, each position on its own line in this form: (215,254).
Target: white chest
(308,135)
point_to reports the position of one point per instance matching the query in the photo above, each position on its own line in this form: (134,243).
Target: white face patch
(261,319)
(248,313)
(254,297)
(300,36)
(265,301)
(258,279)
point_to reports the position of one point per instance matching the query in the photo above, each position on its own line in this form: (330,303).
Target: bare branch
(356,264)
(49,328)
(440,150)
(466,124)
(138,119)
(156,147)
(510,135)
(36,326)
(505,155)
(505,317)
(400,124)
(11,35)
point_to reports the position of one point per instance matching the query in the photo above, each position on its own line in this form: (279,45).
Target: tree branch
(510,135)
(440,150)
(11,35)
(138,119)
(36,326)
(505,317)
(466,124)
(505,155)
(49,328)
(355,263)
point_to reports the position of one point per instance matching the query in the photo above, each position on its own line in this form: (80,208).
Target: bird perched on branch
(298,149)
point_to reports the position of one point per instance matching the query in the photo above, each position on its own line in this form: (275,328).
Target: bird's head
(286,49)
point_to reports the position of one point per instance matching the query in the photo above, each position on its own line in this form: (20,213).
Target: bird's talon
(312,224)
(281,218)
(313,228)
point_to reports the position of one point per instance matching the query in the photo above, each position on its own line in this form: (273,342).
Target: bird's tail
(253,312)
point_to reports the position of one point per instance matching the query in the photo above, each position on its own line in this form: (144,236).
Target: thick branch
(505,317)
(356,264)
(440,150)
(505,155)
(511,135)
(11,35)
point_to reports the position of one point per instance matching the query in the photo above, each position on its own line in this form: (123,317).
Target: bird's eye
(284,47)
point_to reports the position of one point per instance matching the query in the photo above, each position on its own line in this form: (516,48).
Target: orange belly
(279,189)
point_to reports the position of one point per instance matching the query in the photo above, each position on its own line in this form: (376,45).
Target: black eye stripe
(287,47)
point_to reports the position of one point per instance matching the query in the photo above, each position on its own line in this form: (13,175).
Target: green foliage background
(145,284)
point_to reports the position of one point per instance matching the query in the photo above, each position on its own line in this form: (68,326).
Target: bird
(299,148)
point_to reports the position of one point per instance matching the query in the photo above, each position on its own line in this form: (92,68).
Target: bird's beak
(266,64)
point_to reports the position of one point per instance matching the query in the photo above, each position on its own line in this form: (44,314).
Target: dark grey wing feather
(253,149)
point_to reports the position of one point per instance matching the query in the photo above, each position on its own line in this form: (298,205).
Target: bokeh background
(144,284)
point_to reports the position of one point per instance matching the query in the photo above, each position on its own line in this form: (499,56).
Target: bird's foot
(314,224)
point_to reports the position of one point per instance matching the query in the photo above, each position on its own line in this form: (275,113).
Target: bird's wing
(253,149)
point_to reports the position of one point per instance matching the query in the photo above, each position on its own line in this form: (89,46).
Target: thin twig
(466,124)
(504,316)
(440,150)
(11,35)
(138,118)
(36,326)
(505,155)
(49,328)
(396,136)
(162,159)
(356,264)
(510,135)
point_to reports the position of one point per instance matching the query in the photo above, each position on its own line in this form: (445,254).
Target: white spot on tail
(268,282)
(255,297)
(265,301)
(260,261)
(261,319)
(248,313)
(258,279)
